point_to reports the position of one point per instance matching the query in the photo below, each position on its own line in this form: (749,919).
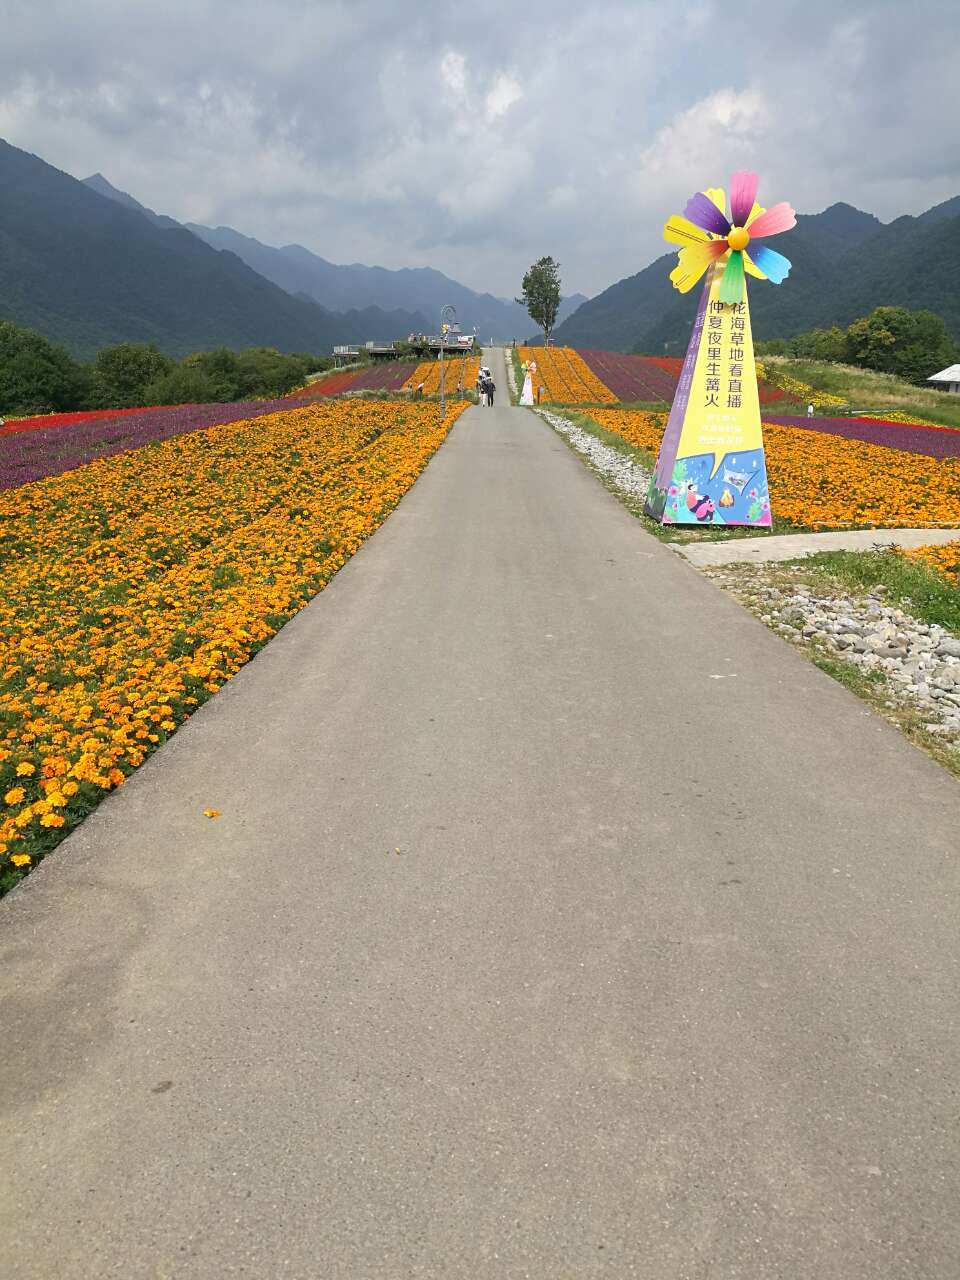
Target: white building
(949,379)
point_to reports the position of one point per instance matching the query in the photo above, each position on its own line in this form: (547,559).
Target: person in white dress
(526,396)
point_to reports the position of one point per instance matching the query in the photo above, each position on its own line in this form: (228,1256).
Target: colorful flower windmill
(706,236)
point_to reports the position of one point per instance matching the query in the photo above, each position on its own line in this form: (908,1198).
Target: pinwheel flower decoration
(707,236)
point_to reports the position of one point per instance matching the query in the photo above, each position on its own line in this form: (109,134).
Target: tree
(540,294)
(820,344)
(121,374)
(36,376)
(183,384)
(263,371)
(911,344)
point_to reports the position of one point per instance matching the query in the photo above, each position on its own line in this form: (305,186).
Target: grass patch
(869,392)
(922,591)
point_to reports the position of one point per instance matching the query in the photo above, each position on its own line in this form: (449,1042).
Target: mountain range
(845,263)
(88,272)
(89,266)
(344,288)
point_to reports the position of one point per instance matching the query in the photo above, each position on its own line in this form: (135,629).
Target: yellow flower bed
(898,415)
(566,375)
(458,371)
(136,585)
(822,481)
(794,387)
(945,558)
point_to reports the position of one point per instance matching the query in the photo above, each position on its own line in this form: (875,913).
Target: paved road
(561,922)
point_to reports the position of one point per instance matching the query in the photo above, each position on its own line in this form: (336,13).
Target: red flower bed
(672,364)
(389,376)
(42,421)
(331,386)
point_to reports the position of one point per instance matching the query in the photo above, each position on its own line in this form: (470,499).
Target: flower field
(634,377)
(27,456)
(458,371)
(389,376)
(796,390)
(42,421)
(329,386)
(135,585)
(566,375)
(604,377)
(945,558)
(822,481)
(926,438)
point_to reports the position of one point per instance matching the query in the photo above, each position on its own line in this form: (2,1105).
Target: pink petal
(780,217)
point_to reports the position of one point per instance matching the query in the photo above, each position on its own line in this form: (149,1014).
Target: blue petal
(773,265)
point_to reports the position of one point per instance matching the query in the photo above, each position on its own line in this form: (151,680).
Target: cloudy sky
(475,138)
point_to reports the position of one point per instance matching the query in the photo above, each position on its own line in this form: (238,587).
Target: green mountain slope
(88,272)
(347,288)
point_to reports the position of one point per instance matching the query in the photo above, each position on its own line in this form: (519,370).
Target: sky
(475,139)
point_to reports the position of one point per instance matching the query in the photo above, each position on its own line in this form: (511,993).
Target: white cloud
(505,92)
(384,133)
(453,68)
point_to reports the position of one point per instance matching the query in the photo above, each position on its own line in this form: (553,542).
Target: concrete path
(561,922)
(796,546)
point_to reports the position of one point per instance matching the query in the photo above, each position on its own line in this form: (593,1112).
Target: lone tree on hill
(541,294)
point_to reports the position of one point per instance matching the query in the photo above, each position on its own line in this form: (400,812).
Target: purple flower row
(630,377)
(32,455)
(932,443)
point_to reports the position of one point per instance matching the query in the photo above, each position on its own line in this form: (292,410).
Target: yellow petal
(719,198)
(680,231)
(693,261)
(755,212)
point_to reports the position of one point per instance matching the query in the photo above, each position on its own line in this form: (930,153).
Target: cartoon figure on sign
(715,417)
(699,504)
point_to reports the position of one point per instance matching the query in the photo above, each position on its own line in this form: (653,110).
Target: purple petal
(704,213)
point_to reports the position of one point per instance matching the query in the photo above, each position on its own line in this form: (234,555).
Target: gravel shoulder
(907,670)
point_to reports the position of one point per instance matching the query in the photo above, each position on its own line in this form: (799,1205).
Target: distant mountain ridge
(298,270)
(302,273)
(845,263)
(89,272)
